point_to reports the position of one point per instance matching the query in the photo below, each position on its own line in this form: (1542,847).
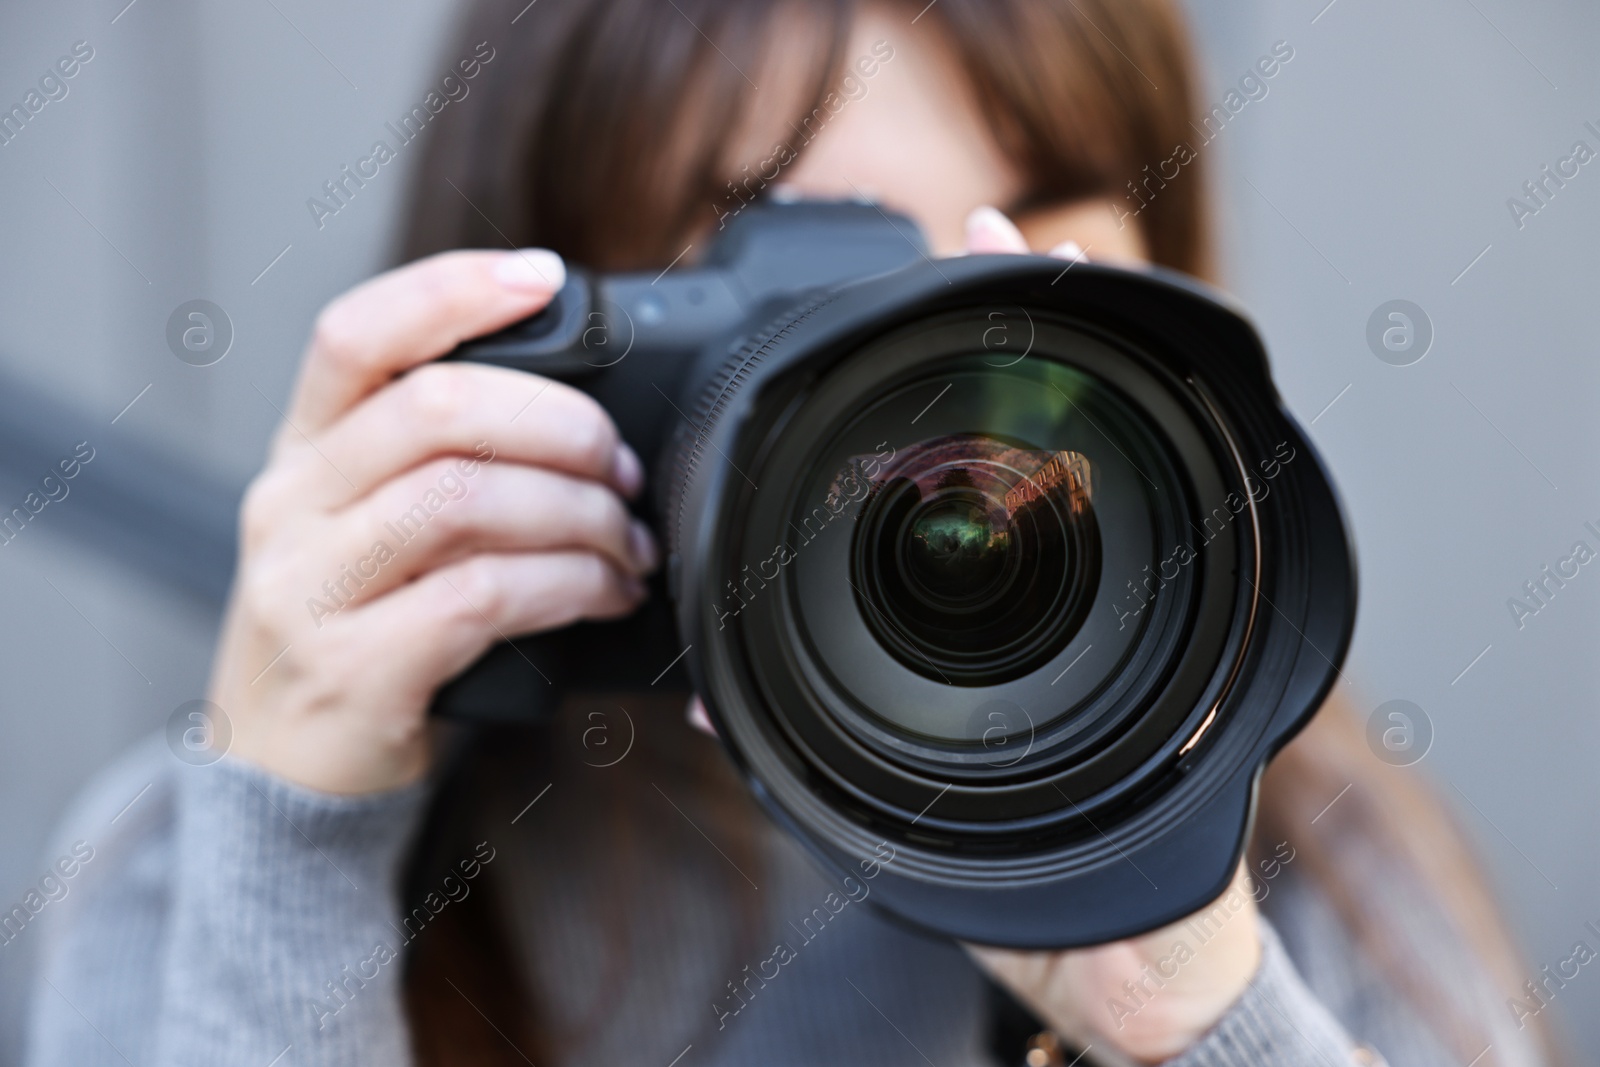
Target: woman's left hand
(1149,997)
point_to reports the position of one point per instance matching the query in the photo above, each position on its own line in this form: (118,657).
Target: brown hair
(603,129)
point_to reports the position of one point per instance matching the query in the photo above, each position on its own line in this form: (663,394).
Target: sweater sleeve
(1278,1020)
(275,932)
(284,924)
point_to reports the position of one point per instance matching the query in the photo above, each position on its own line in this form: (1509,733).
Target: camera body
(1001,577)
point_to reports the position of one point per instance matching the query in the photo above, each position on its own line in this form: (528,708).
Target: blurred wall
(1376,167)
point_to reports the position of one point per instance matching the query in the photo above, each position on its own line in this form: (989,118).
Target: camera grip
(551,343)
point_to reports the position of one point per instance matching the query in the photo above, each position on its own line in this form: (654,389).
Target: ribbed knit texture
(230,918)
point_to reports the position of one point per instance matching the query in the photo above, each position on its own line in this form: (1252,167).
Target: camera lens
(973,556)
(1005,615)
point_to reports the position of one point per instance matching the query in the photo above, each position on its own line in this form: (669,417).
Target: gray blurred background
(1377,168)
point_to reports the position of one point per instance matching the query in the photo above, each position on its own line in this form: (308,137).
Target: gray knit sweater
(227,917)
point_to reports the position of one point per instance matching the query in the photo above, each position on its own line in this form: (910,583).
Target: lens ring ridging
(829,745)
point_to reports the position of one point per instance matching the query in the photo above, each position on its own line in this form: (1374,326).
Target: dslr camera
(1000,576)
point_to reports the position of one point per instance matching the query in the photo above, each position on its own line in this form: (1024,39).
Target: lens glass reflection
(962,539)
(974,555)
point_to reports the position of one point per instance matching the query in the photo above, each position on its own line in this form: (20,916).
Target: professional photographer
(356,884)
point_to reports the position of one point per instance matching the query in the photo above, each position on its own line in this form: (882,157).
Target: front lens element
(962,534)
(974,556)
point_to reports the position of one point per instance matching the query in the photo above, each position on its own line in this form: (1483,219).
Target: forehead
(898,123)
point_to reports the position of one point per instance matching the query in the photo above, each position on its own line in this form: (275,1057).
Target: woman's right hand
(407,521)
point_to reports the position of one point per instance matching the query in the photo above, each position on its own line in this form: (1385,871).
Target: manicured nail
(627,471)
(696,714)
(642,546)
(1068,250)
(988,230)
(530,270)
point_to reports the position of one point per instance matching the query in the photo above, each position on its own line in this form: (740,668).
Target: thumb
(990,231)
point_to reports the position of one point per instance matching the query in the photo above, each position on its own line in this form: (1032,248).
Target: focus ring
(691,435)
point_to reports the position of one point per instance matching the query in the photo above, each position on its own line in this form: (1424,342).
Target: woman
(562,912)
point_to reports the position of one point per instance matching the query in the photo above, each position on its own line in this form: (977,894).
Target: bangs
(1084,96)
(639,136)
(632,125)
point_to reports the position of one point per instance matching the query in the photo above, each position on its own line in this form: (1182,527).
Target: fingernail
(642,546)
(626,470)
(696,714)
(990,231)
(1068,250)
(529,270)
